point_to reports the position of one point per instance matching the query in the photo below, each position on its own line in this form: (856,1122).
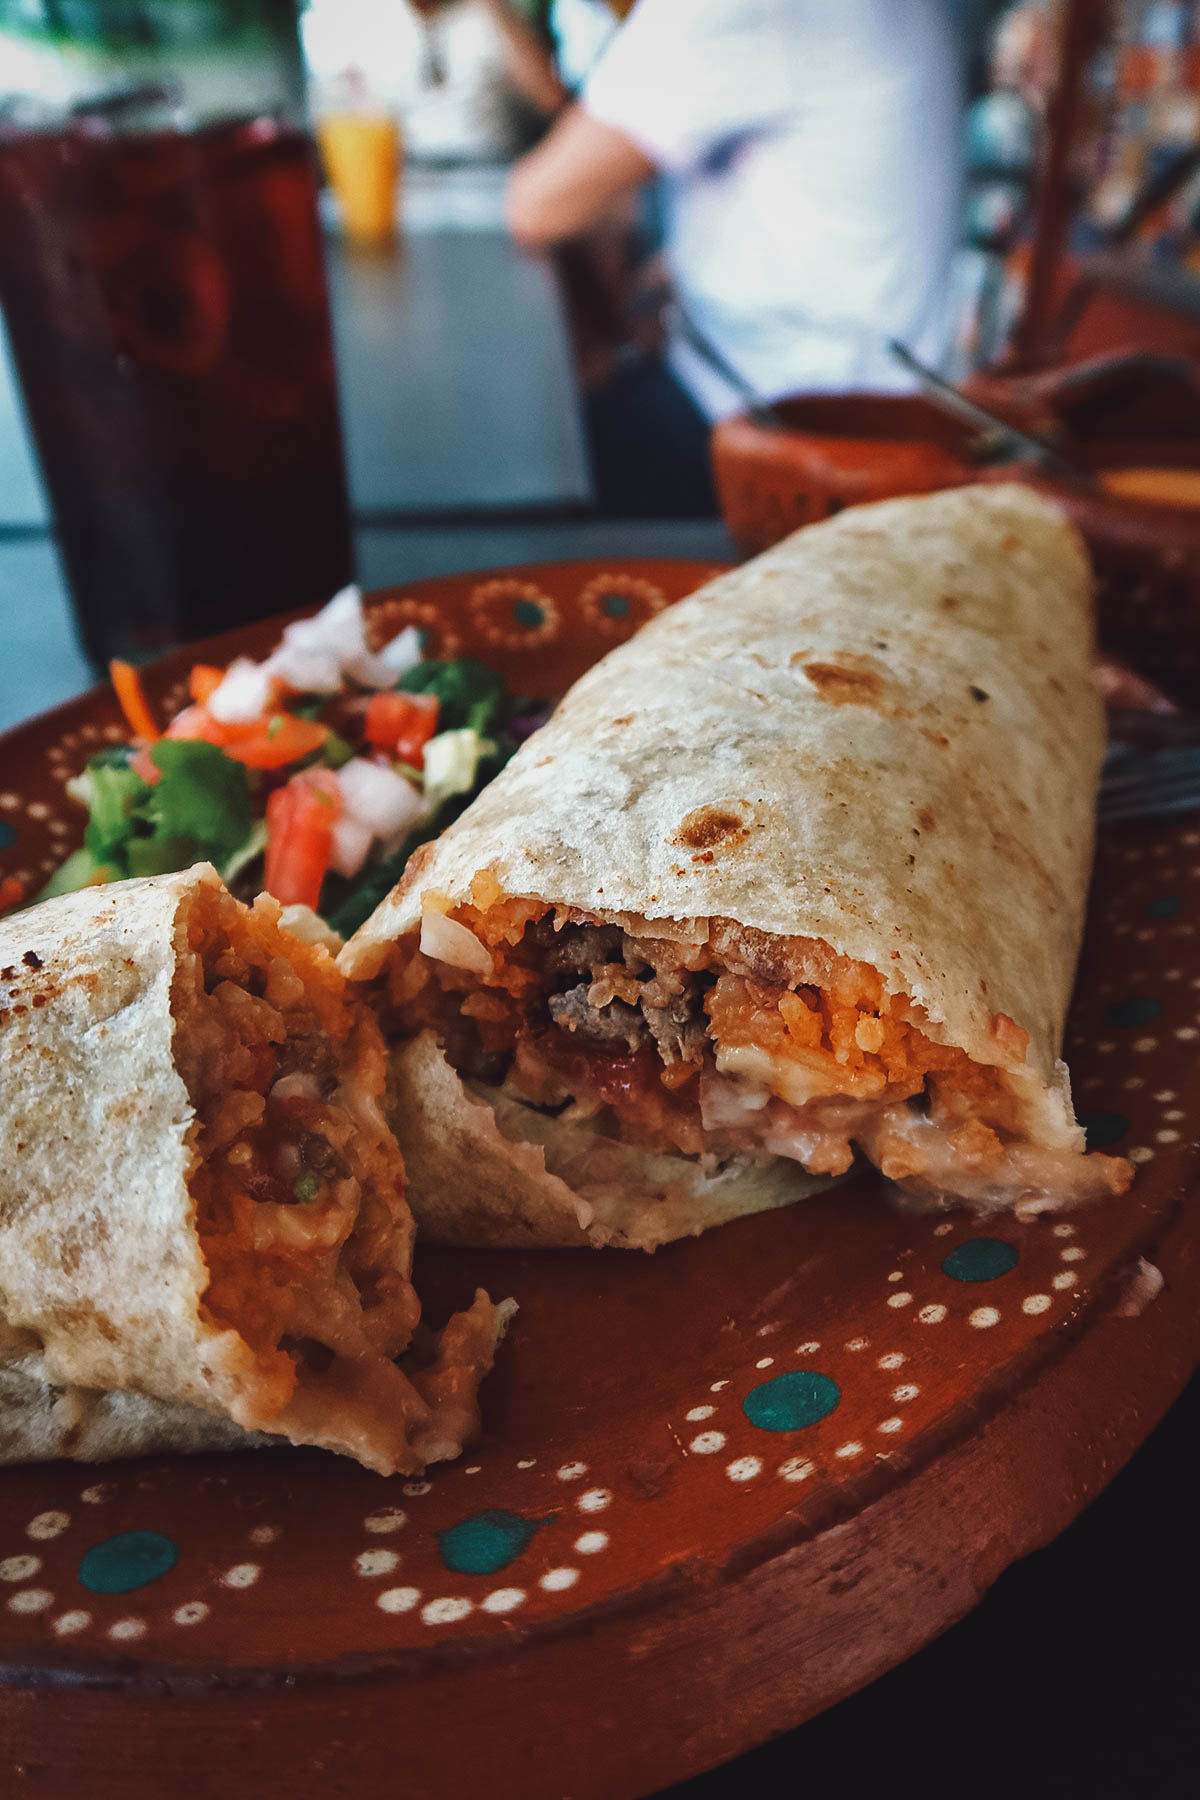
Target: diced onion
(352,842)
(244,693)
(725,1102)
(446,941)
(395,659)
(378,797)
(314,651)
(304,923)
(296,1087)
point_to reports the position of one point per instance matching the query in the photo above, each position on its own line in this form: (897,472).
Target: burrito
(204,1238)
(797,873)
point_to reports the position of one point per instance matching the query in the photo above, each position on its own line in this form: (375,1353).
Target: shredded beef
(611,1024)
(577,948)
(679,1027)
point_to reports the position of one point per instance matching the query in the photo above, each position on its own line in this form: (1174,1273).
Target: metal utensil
(1149,784)
(760,410)
(1022,443)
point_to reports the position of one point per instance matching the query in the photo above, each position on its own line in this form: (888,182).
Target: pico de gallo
(312,775)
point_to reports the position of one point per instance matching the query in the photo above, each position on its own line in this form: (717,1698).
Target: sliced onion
(446,941)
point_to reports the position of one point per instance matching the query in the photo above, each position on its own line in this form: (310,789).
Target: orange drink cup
(361,153)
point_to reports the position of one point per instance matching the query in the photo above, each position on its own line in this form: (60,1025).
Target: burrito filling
(737,1042)
(297,1183)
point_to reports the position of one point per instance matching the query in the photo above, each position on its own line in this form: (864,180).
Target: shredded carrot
(127,684)
(204,681)
(12,892)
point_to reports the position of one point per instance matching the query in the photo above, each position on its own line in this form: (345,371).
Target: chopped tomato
(204,681)
(127,685)
(271,742)
(402,724)
(300,820)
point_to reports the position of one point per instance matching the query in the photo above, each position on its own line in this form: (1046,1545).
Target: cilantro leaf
(469,693)
(201,801)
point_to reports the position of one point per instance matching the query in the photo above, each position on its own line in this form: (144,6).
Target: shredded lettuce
(198,810)
(451,759)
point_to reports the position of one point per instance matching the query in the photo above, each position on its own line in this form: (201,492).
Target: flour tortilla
(882,734)
(105,1344)
(492,1172)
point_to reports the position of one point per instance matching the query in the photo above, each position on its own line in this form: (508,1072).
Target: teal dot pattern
(980,1259)
(1165,907)
(487,1541)
(1139,1009)
(132,1559)
(8,834)
(1104,1128)
(529,614)
(792,1401)
(615,606)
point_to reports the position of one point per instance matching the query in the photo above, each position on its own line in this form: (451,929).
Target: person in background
(809,155)
(473,81)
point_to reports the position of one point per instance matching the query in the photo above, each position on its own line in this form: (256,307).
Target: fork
(1148,784)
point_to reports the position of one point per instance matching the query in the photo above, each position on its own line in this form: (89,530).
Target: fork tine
(1150,803)
(1144,771)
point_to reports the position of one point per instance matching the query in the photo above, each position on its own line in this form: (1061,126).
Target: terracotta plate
(720,1487)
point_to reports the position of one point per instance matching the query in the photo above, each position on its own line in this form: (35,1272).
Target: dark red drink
(165,297)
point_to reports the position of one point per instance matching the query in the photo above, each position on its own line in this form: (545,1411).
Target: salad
(312,775)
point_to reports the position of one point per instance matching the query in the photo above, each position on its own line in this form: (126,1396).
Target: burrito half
(799,871)
(203,1229)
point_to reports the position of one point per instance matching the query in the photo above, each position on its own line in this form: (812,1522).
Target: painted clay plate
(719,1488)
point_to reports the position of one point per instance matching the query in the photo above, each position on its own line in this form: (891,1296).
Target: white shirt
(812,159)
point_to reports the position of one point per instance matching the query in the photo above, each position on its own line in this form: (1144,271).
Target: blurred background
(600,280)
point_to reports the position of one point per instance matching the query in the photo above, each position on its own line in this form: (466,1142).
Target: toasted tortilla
(880,742)
(142,1298)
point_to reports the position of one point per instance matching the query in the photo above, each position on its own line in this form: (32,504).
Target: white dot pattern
(595,1500)
(398,1599)
(503,1600)
(68,1623)
(556,1581)
(19,1568)
(242,1575)
(388,1518)
(744,1468)
(48,1525)
(707,1443)
(448,1611)
(125,1630)
(572,1471)
(590,1543)
(373,1563)
(698,1413)
(30,1600)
